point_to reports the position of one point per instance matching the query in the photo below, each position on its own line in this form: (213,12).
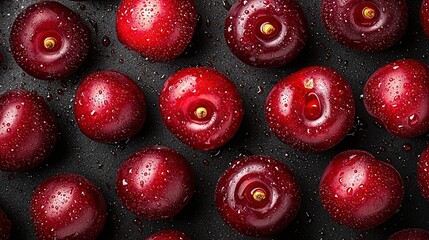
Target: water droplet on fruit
(312,107)
(413,120)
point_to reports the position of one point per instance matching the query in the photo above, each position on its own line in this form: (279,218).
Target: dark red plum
(424,17)
(258,196)
(109,107)
(168,235)
(49,41)
(155,183)
(157,29)
(423,173)
(269,33)
(365,25)
(67,206)
(410,234)
(312,109)
(28,130)
(359,191)
(201,107)
(397,95)
(5,226)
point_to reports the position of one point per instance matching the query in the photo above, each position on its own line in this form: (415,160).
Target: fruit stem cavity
(258,195)
(49,43)
(368,13)
(201,112)
(267,28)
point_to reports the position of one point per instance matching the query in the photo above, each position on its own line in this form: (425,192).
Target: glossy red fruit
(5,226)
(201,107)
(423,173)
(157,29)
(109,107)
(424,17)
(268,33)
(410,234)
(28,130)
(258,196)
(312,109)
(398,96)
(360,191)
(155,183)
(365,25)
(168,235)
(49,41)
(67,206)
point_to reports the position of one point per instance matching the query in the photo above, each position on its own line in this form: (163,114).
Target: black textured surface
(99,162)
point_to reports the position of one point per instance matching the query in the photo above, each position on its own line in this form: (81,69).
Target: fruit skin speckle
(423,173)
(360,191)
(44,20)
(249,215)
(5,226)
(424,17)
(410,234)
(344,22)
(67,206)
(397,95)
(168,235)
(312,109)
(155,183)
(28,130)
(191,89)
(244,32)
(109,107)
(159,30)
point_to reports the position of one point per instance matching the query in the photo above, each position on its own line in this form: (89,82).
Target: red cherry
(168,235)
(28,130)
(67,206)
(155,183)
(360,191)
(201,107)
(258,196)
(423,173)
(109,107)
(424,17)
(157,29)
(49,41)
(410,234)
(312,109)
(266,33)
(365,25)
(5,226)
(398,95)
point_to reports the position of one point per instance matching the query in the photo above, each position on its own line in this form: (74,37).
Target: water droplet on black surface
(94,24)
(226,4)
(105,41)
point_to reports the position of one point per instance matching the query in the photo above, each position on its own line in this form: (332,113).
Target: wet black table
(99,162)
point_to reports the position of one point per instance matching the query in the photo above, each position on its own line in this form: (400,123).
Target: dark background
(99,162)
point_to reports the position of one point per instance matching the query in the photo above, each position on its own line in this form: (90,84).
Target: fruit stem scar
(267,28)
(201,112)
(309,83)
(49,42)
(368,13)
(259,195)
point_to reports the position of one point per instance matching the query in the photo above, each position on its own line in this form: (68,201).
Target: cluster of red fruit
(310,110)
